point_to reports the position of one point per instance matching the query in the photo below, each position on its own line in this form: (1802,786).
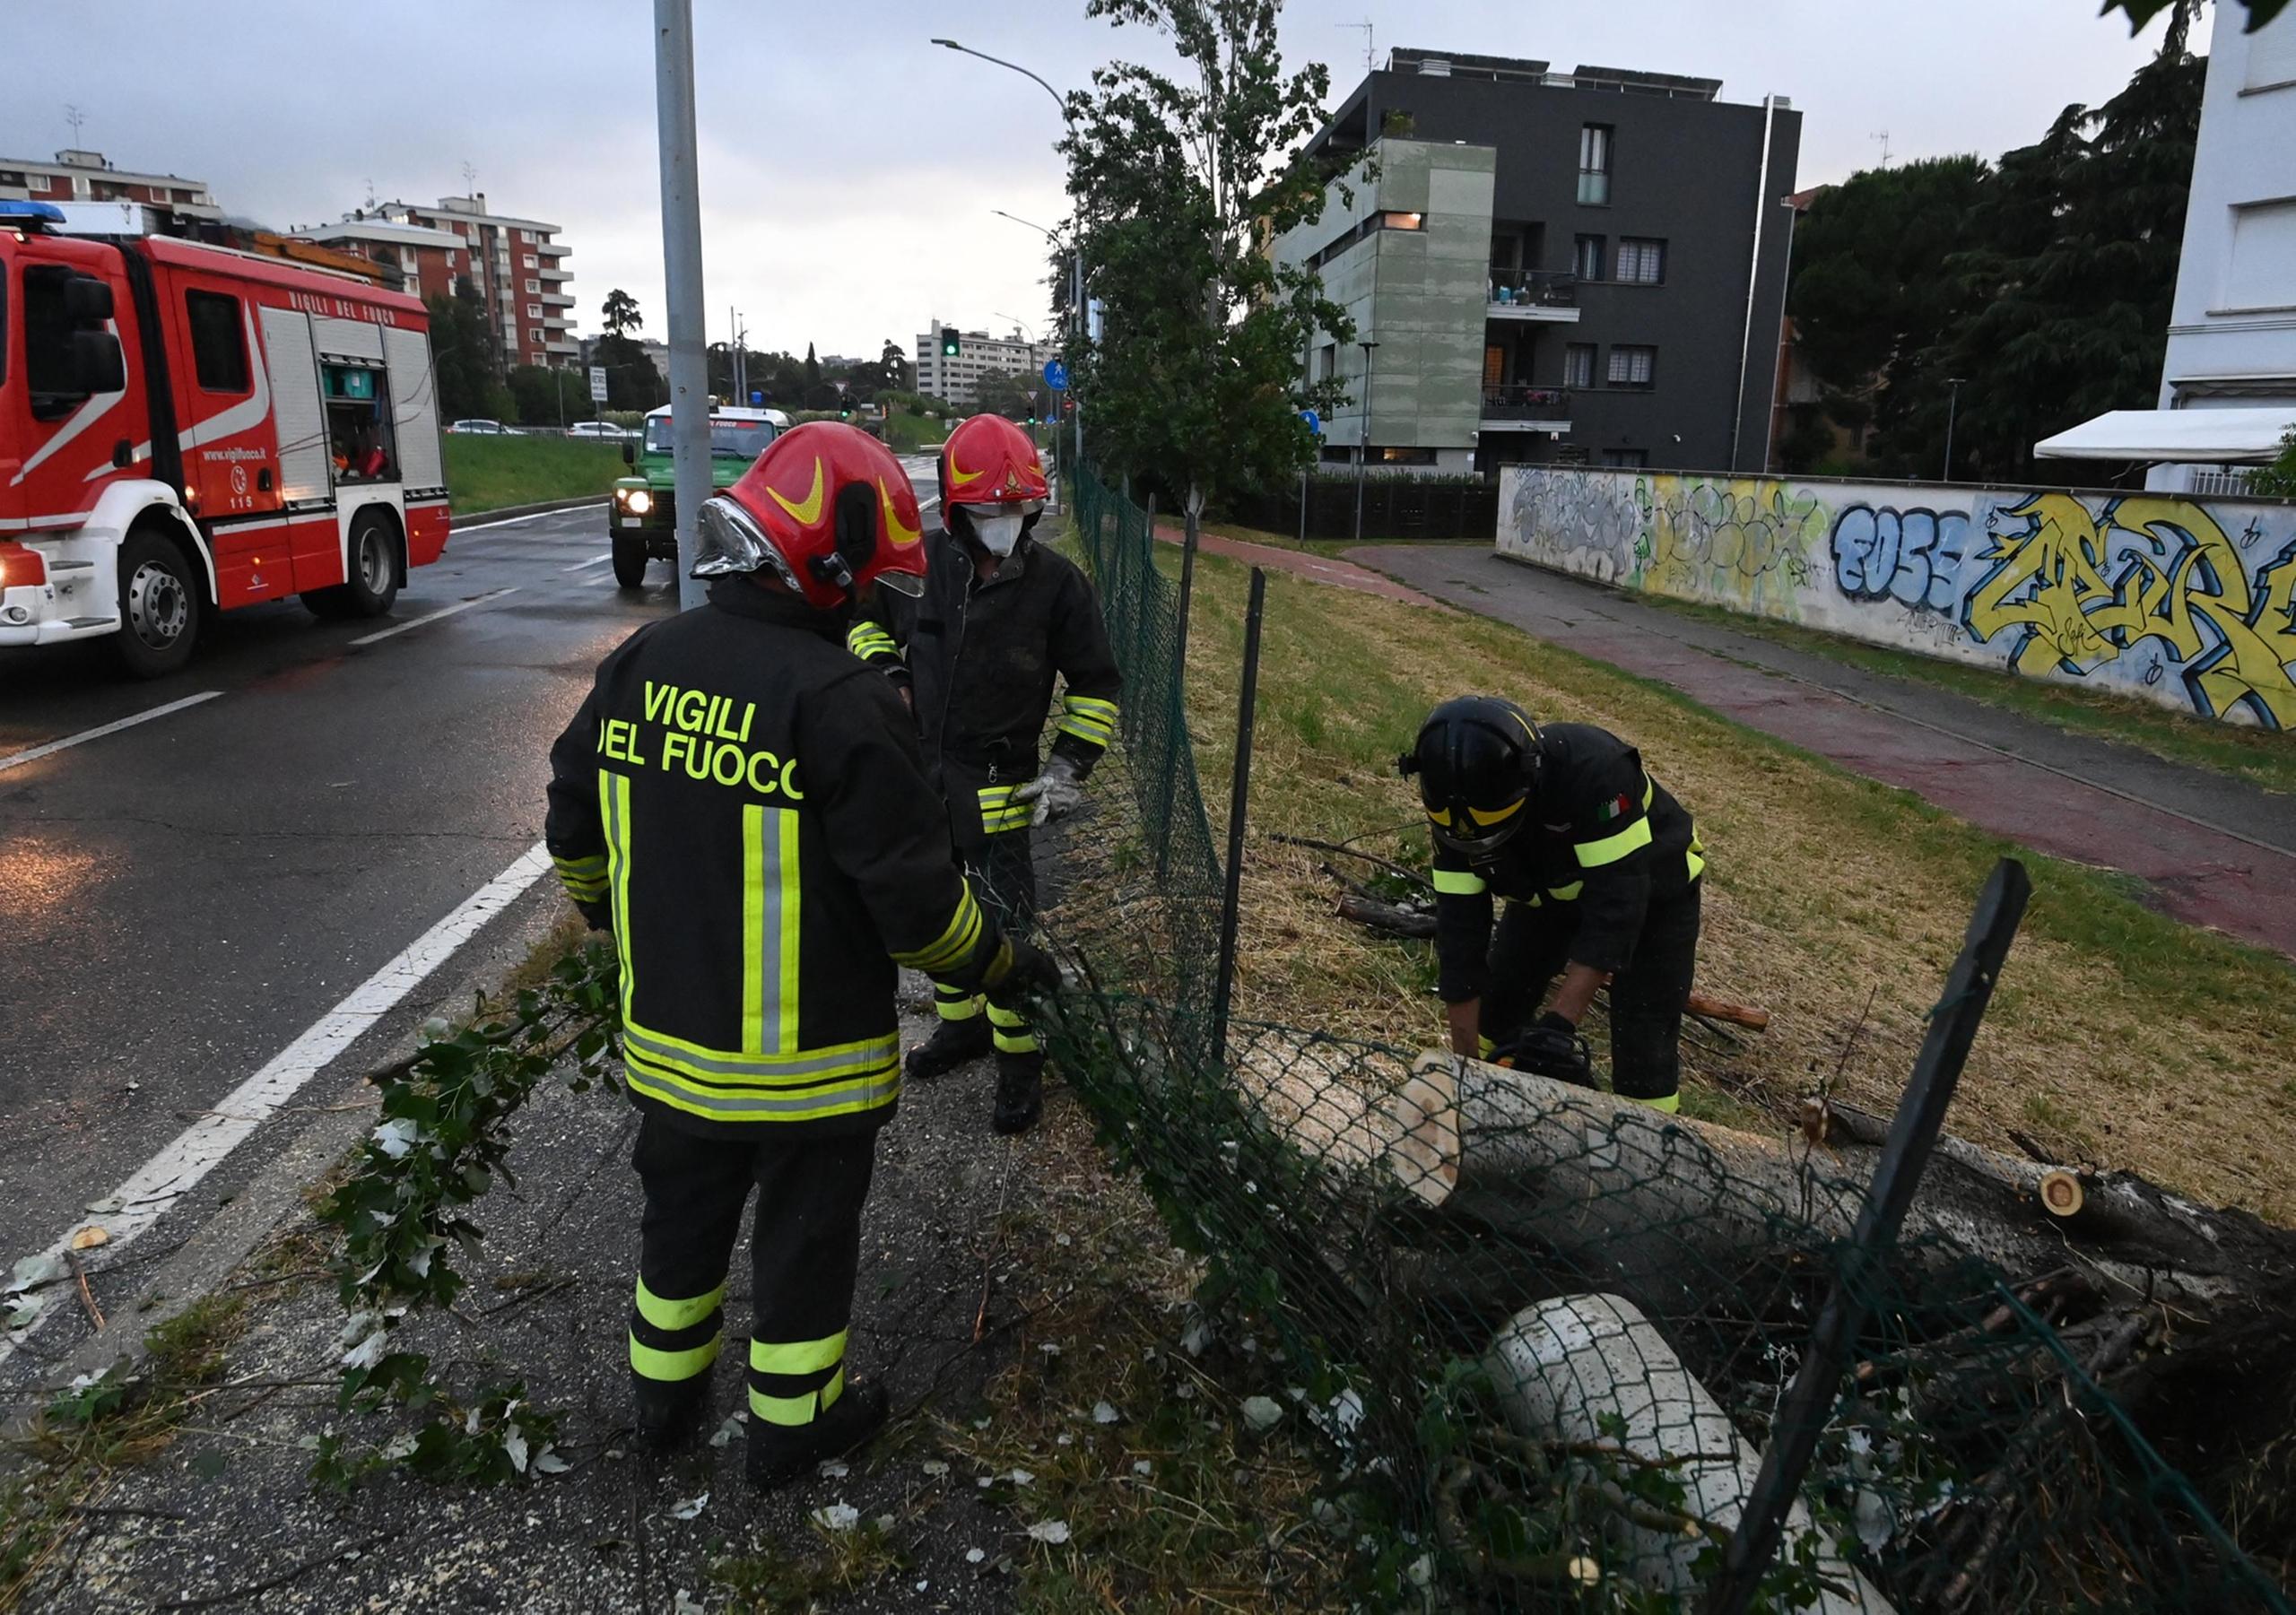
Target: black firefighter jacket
(981,659)
(751,798)
(1604,844)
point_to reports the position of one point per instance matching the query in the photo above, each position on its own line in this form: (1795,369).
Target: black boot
(1020,1092)
(951,1044)
(669,1412)
(780,1453)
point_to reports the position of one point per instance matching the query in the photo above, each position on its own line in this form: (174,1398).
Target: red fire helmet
(828,508)
(989,461)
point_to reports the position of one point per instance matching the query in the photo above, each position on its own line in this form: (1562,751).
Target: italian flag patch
(1615,807)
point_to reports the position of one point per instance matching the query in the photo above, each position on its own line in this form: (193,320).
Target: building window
(1626,459)
(1631,366)
(533,310)
(1327,361)
(534,337)
(218,349)
(1586,257)
(1405,456)
(1640,262)
(1578,365)
(1594,165)
(530,260)
(534,287)
(1401,221)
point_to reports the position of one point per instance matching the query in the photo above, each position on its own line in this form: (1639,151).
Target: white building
(978,354)
(91,177)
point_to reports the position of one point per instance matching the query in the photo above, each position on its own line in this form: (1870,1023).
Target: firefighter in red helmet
(745,806)
(978,655)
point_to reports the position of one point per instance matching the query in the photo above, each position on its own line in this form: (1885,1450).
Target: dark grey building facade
(1585,266)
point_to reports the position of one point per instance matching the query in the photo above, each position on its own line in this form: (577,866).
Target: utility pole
(1363,439)
(1952,407)
(681,278)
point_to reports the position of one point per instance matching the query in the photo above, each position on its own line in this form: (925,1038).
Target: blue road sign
(1315,422)
(757,399)
(1056,375)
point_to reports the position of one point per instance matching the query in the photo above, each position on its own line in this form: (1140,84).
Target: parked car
(606,429)
(486,429)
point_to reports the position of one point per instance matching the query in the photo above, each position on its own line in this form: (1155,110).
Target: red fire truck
(187,428)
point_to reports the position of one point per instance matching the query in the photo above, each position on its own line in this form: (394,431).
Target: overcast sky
(848,167)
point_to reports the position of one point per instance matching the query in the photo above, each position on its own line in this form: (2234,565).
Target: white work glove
(1057,792)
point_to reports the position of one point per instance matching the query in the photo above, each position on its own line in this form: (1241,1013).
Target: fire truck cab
(187,428)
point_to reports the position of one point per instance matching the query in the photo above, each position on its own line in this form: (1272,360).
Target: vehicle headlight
(637,501)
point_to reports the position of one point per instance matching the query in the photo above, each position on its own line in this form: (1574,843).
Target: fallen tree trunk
(1649,1199)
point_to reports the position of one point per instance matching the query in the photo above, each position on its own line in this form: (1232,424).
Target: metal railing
(1541,288)
(1525,404)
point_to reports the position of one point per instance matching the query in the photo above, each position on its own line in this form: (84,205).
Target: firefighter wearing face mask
(745,805)
(1001,620)
(1600,868)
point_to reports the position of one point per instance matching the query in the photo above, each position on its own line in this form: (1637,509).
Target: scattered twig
(87,1296)
(535,1293)
(1344,851)
(113,1508)
(233,1595)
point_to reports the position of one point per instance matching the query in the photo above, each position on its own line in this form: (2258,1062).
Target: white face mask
(997,534)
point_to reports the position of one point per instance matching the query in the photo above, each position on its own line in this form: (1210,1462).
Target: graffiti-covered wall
(2188,602)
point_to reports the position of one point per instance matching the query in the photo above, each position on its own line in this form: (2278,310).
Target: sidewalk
(1300,564)
(2214,850)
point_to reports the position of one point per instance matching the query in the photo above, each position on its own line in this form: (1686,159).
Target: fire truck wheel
(628,561)
(373,585)
(159,606)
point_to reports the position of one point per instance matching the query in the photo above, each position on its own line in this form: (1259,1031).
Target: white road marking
(157,1184)
(33,753)
(433,617)
(584,566)
(510,521)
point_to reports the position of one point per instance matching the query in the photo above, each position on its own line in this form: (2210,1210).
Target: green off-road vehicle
(644,516)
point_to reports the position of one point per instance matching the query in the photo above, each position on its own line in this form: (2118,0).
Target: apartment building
(76,175)
(1585,266)
(422,261)
(519,267)
(957,377)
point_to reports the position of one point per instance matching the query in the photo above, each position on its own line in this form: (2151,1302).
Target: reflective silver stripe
(861,1096)
(855,1061)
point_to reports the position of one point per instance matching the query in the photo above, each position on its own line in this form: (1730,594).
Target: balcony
(1545,294)
(551,272)
(556,299)
(554,249)
(1526,409)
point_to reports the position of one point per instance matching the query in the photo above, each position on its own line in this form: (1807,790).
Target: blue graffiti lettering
(1913,557)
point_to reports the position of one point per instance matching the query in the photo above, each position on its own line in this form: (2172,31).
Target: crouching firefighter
(1600,869)
(745,804)
(1000,618)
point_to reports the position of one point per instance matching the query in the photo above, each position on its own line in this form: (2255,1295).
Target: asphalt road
(182,898)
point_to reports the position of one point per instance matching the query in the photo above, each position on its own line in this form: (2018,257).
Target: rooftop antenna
(470,174)
(1366,26)
(371,190)
(75,118)
(1882,135)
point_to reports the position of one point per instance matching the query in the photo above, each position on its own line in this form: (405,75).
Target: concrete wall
(2189,603)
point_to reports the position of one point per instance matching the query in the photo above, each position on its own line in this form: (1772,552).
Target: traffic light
(950,344)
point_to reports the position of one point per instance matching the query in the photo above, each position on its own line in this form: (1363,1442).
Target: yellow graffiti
(1743,539)
(2179,581)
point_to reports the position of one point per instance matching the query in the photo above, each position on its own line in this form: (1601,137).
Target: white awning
(2197,436)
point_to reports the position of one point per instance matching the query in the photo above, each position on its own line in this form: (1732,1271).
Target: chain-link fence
(1544,1333)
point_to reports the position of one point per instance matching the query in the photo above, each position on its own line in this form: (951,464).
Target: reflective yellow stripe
(798,1356)
(953,944)
(956,1009)
(867,639)
(792,930)
(752,928)
(613,812)
(650,1364)
(1697,855)
(1460,882)
(797,1410)
(1672,1103)
(1010,1031)
(1566,894)
(1093,734)
(1610,849)
(1090,706)
(733,1067)
(677,1314)
(584,878)
(764,1107)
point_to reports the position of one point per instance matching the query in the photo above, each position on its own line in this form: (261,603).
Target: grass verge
(2263,757)
(2117,1035)
(491,473)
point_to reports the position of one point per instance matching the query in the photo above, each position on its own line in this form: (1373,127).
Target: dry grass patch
(2117,1035)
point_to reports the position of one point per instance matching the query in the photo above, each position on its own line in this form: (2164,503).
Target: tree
(898,374)
(547,398)
(2278,479)
(1016,397)
(621,313)
(463,358)
(2141,11)
(1175,184)
(813,369)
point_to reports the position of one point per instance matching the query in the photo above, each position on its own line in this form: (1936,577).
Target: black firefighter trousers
(1003,873)
(1532,945)
(804,1252)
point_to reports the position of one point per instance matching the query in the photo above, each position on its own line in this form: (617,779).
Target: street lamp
(1078,295)
(1952,405)
(1018,325)
(1363,439)
(1075,301)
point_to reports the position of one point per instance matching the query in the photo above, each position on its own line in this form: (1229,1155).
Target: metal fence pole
(1180,683)
(1913,1132)
(1239,791)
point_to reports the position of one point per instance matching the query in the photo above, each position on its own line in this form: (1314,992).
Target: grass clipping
(2117,1036)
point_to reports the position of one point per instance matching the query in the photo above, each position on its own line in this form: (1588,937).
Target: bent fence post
(1239,798)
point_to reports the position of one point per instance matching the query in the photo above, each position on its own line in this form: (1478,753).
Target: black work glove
(598,915)
(1030,971)
(1550,1047)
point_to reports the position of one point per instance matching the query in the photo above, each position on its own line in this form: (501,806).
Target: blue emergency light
(20,214)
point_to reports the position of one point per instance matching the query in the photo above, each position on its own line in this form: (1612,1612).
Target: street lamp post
(682,279)
(1952,407)
(1363,437)
(1077,294)
(1075,308)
